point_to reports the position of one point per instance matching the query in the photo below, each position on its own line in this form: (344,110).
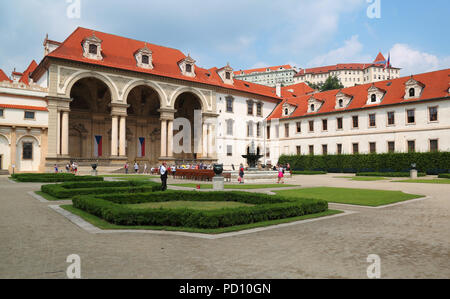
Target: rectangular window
(411,146)
(372,120)
(355,148)
(93,49)
(411,116)
(146,59)
(391,118)
(311,126)
(229,150)
(299,127)
(27,151)
(268,132)
(339,123)
(391,147)
(324,124)
(355,121)
(259,109)
(230,127)
(286,130)
(250,108)
(339,149)
(311,149)
(299,150)
(29,115)
(229,104)
(1,113)
(433,111)
(372,147)
(250,130)
(228,75)
(188,67)
(324,149)
(434,145)
(258,130)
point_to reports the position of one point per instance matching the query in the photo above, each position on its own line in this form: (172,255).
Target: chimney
(278,90)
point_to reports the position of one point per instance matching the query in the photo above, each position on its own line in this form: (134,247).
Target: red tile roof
(3,76)
(24,79)
(118,52)
(338,67)
(263,69)
(34,108)
(296,90)
(436,86)
(379,58)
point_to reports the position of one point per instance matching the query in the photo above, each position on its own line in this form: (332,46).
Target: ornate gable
(314,105)
(342,100)
(226,74)
(92,47)
(375,95)
(144,58)
(187,66)
(413,89)
(288,109)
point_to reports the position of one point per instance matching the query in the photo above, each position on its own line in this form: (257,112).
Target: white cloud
(350,52)
(413,61)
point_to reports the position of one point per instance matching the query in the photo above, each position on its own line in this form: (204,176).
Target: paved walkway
(412,239)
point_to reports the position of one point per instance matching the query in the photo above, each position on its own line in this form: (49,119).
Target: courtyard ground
(412,240)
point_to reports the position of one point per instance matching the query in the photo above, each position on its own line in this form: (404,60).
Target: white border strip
(380,207)
(95,230)
(37,196)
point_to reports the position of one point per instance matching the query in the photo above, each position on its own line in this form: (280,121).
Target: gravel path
(413,241)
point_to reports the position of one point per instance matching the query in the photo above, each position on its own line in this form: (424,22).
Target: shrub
(444,176)
(430,163)
(389,174)
(110,208)
(308,172)
(67,190)
(52,177)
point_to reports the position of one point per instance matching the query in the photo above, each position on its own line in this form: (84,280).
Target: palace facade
(105,99)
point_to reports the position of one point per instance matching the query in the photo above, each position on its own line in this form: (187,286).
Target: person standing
(126,167)
(136,168)
(163,172)
(174,170)
(280,175)
(56,168)
(145,168)
(241,174)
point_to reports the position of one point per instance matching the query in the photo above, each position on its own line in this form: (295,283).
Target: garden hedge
(52,177)
(430,163)
(111,208)
(71,189)
(308,172)
(390,174)
(444,176)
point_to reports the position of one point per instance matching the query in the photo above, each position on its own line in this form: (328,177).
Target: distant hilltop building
(269,76)
(351,74)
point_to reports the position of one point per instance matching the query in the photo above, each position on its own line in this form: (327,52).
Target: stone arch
(28,135)
(196,92)
(5,152)
(6,137)
(82,75)
(28,164)
(163,100)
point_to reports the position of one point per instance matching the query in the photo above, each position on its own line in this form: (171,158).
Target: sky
(244,33)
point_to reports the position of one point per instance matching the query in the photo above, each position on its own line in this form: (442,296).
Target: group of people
(281,169)
(71,167)
(145,169)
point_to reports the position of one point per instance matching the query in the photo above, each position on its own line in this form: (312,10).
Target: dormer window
(342,100)
(341,103)
(92,47)
(413,89)
(286,112)
(144,58)
(187,66)
(226,74)
(375,95)
(314,105)
(312,108)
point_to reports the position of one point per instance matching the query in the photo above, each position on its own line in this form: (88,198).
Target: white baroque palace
(106,99)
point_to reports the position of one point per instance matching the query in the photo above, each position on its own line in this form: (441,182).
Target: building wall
(422,131)
(270,78)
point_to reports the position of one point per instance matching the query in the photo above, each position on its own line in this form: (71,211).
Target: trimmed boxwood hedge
(52,177)
(110,208)
(390,174)
(67,190)
(430,163)
(444,176)
(308,172)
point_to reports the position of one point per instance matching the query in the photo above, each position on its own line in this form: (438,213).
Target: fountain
(252,158)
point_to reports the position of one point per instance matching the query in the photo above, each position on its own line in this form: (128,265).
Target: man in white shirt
(163,172)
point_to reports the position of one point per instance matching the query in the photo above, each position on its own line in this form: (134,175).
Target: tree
(331,83)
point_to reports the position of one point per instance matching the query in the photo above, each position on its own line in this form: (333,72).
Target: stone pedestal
(94,173)
(218,183)
(413,174)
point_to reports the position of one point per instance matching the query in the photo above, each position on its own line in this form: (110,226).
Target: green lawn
(362,197)
(235,186)
(432,181)
(362,178)
(196,205)
(49,197)
(129,177)
(102,224)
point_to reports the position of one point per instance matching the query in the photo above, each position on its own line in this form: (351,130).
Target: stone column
(122,136)
(65,133)
(163,138)
(58,134)
(210,141)
(13,148)
(205,140)
(114,135)
(170,138)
